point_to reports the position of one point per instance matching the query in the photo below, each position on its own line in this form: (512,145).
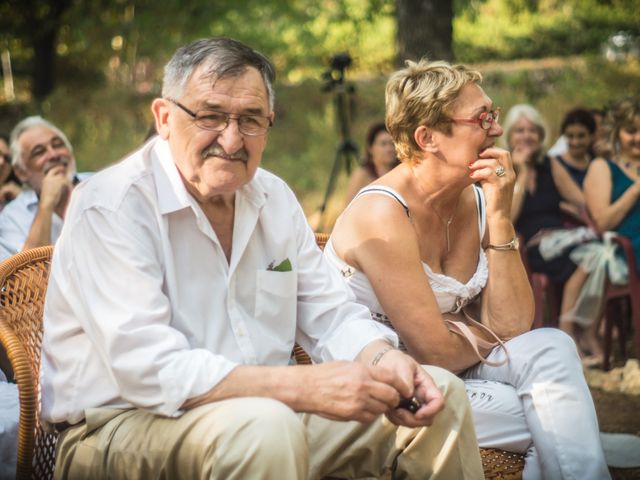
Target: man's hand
(415,383)
(339,390)
(352,391)
(56,188)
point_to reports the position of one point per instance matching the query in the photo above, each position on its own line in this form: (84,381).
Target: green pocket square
(283,266)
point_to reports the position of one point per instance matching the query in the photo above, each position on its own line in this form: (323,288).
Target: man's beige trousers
(260,438)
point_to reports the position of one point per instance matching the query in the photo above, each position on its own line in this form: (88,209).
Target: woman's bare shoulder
(373,217)
(597,168)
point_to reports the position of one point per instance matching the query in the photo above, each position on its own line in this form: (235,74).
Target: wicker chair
(23,282)
(497,464)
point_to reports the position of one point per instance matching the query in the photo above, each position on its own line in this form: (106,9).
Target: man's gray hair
(27,124)
(221,57)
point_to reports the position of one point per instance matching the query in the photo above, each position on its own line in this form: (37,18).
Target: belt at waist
(62,426)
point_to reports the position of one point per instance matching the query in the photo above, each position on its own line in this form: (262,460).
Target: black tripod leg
(331,184)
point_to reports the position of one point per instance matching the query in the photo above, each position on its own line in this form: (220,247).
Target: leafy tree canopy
(127,41)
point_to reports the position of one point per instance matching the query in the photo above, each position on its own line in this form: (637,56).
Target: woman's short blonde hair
(423,93)
(530,113)
(620,115)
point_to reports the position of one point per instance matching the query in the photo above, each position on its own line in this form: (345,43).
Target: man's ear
(272,115)
(21,173)
(425,139)
(160,110)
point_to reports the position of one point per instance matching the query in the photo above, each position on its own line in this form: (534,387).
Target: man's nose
(230,138)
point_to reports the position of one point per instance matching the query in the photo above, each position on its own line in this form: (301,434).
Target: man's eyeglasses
(251,125)
(485,119)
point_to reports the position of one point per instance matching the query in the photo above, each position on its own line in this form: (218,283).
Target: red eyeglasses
(485,119)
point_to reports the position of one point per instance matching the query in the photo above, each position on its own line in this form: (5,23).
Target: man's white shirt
(17,217)
(15,222)
(144,311)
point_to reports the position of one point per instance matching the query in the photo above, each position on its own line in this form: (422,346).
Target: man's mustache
(216,150)
(54,162)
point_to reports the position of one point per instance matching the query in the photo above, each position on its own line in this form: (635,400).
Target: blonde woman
(431,244)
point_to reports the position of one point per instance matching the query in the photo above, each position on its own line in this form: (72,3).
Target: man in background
(42,158)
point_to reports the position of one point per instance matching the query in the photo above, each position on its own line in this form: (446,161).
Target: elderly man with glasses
(183,276)
(42,158)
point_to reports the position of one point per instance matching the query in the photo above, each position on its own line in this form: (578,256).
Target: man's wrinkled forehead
(210,74)
(207,75)
(36,136)
(204,82)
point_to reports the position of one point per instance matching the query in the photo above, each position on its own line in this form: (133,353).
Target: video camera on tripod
(335,74)
(347,150)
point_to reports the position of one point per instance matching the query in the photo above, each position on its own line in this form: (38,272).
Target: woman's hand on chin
(494,171)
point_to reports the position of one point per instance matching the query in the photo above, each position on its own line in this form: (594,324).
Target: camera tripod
(347,150)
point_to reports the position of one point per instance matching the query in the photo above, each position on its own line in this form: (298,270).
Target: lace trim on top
(451,294)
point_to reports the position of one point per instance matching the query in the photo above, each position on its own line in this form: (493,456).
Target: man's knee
(258,430)
(269,421)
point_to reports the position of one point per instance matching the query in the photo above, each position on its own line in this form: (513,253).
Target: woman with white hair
(541,204)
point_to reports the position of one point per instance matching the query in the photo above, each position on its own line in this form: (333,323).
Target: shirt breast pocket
(276,296)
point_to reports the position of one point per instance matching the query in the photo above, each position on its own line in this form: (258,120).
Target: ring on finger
(500,171)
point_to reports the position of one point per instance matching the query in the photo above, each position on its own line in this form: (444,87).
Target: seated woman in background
(380,157)
(569,169)
(612,186)
(542,196)
(600,147)
(431,244)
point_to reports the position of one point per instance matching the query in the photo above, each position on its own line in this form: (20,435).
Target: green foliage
(112,36)
(102,101)
(508,29)
(103,125)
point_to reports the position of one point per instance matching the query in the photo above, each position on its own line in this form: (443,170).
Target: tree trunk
(45,24)
(44,51)
(425,29)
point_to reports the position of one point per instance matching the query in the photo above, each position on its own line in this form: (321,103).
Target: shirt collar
(173,195)
(29,196)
